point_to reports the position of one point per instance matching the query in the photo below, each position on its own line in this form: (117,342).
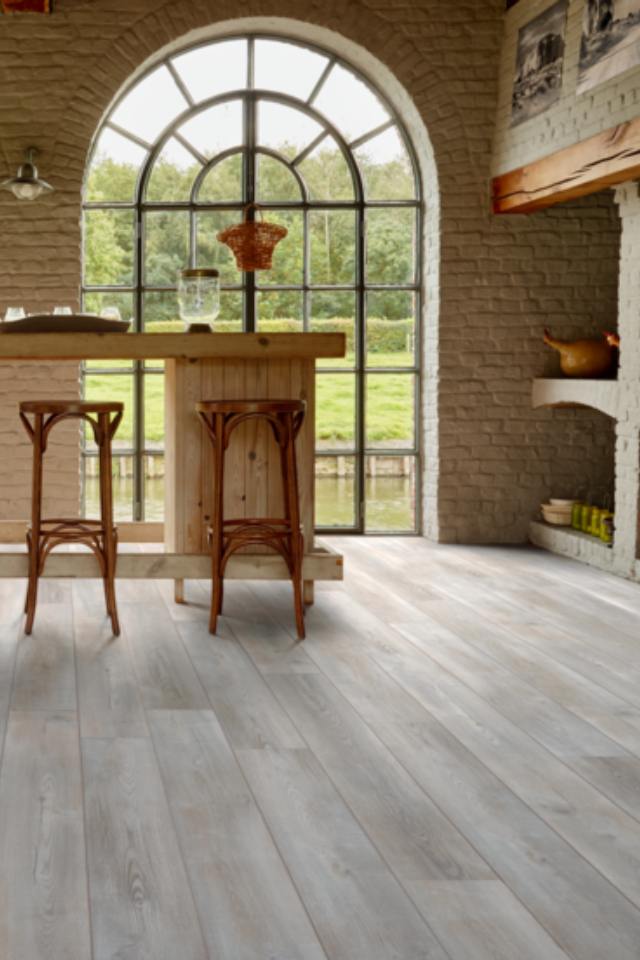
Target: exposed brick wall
(489,457)
(571,118)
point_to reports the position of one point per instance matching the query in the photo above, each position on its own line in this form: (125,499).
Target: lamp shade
(27,185)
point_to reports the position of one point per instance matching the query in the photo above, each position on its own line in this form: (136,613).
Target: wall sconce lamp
(27,185)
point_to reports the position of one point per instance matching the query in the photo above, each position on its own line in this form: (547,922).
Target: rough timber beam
(602,161)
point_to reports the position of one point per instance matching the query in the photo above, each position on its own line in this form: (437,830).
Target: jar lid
(199,272)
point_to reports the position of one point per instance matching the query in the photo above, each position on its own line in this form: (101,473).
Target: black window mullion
(249,193)
(359,358)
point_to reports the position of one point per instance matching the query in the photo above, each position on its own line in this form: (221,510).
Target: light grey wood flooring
(448,766)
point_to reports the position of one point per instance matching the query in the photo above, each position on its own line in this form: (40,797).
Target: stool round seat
(70,407)
(259,407)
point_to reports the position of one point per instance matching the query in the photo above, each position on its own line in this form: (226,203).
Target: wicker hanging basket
(252,241)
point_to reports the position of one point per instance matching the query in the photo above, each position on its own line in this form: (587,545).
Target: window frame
(250,286)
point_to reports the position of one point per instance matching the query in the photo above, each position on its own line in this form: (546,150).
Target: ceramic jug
(582,358)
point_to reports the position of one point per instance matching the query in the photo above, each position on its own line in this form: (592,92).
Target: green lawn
(389,404)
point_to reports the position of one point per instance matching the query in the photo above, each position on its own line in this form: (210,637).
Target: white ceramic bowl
(556,502)
(561,516)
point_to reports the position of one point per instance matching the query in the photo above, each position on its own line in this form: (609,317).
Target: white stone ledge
(603,395)
(572,543)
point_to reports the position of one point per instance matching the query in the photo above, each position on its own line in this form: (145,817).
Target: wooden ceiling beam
(602,161)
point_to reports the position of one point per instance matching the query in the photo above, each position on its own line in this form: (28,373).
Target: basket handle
(246,209)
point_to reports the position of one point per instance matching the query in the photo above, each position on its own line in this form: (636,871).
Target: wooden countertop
(165,346)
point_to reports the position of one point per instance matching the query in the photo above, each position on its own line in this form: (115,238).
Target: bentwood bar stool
(46,534)
(282,534)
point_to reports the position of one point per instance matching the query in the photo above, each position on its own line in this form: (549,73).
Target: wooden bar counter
(203,366)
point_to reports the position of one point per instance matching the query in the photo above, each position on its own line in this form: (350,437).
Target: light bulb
(26,190)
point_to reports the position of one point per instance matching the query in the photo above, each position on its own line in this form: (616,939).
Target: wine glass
(14,313)
(111,313)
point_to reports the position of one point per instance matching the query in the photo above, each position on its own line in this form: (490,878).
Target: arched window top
(311,112)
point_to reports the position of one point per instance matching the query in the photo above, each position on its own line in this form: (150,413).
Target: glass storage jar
(198,298)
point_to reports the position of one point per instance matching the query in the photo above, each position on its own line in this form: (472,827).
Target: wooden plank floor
(448,768)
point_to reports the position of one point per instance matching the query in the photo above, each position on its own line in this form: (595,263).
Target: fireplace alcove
(619,400)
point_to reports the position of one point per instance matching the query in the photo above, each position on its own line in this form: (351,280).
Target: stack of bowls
(557,511)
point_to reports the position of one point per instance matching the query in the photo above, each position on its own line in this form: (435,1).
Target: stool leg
(33,536)
(292,509)
(106,512)
(217,527)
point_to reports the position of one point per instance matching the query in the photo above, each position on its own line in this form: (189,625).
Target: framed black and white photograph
(610,41)
(539,62)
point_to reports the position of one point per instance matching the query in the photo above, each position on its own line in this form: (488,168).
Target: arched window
(291,127)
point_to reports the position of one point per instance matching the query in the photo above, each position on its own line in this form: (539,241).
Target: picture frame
(610,43)
(539,63)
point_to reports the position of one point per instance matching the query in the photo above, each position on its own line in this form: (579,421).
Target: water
(389,501)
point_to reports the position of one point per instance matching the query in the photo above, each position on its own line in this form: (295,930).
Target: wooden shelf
(600,395)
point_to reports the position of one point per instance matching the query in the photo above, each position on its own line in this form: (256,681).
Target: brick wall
(571,118)
(491,283)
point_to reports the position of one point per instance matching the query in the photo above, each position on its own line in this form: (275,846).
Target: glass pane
(166,246)
(275,180)
(122,488)
(215,129)
(391,239)
(349,104)
(287,67)
(390,503)
(335,491)
(150,106)
(160,312)
(154,487)
(326,173)
(210,252)
(335,312)
(333,246)
(94,303)
(288,256)
(106,388)
(154,411)
(390,410)
(216,68)
(386,168)
(108,247)
(230,316)
(114,168)
(284,129)
(223,182)
(173,173)
(391,328)
(335,411)
(280,311)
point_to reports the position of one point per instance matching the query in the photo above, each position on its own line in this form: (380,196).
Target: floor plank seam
(85,832)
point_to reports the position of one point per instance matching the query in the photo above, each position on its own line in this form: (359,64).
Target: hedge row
(383,336)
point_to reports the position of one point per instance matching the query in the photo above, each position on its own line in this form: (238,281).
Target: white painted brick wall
(572,118)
